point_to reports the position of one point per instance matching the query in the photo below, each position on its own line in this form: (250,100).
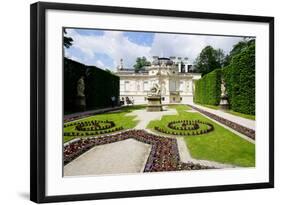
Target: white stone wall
(136,86)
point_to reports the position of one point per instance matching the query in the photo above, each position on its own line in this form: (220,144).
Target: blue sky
(140,38)
(105,48)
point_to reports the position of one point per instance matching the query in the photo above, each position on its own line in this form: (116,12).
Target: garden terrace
(220,144)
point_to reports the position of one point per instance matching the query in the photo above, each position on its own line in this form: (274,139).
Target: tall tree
(141,62)
(220,56)
(67,41)
(209,59)
(238,48)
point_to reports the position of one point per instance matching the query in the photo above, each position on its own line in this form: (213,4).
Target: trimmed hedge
(208,88)
(239,78)
(72,72)
(240,81)
(100,86)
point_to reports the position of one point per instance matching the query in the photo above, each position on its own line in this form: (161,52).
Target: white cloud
(114,44)
(117,46)
(100,64)
(189,45)
(72,57)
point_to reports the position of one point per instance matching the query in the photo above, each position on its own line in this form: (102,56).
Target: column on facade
(186,68)
(179,66)
(191,86)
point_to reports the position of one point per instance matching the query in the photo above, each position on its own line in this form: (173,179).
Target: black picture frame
(38,100)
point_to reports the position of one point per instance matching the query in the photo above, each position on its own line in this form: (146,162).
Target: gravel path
(127,156)
(145,117)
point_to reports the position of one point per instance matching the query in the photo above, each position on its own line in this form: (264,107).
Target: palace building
(175,76)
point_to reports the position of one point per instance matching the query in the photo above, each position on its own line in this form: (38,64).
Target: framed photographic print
(129,102)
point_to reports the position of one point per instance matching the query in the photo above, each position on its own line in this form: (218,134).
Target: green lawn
(220,145)
(216,107)
(180,108)
(118,117)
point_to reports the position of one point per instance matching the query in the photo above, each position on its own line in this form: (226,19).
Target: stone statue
(224,104)
(80,87)
(155,90)
(154,99)
(223,89)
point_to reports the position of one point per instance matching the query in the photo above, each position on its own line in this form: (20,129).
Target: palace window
(145,86)
(173,85)
(127,85)
(181,86)
(122,87)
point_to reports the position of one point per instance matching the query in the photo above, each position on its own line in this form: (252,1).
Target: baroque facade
(175,76)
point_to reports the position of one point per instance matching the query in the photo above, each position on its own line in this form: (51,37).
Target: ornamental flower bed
(164,155)
(186,127)
(93,127)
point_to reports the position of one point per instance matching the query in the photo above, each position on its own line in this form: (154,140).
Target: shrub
(240,81)
(239,77)
(208,88)
(100,86)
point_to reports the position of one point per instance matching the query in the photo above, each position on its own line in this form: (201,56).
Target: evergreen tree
(141,62)
(238,48)
(67,41)
(208,60)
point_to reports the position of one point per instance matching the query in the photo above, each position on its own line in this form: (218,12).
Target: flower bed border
(239,128)
(164,154)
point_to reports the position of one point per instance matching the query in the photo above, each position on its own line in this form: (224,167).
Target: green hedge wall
(72,72)
(208,88)
(100,86)
(240,81)
(239,77)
